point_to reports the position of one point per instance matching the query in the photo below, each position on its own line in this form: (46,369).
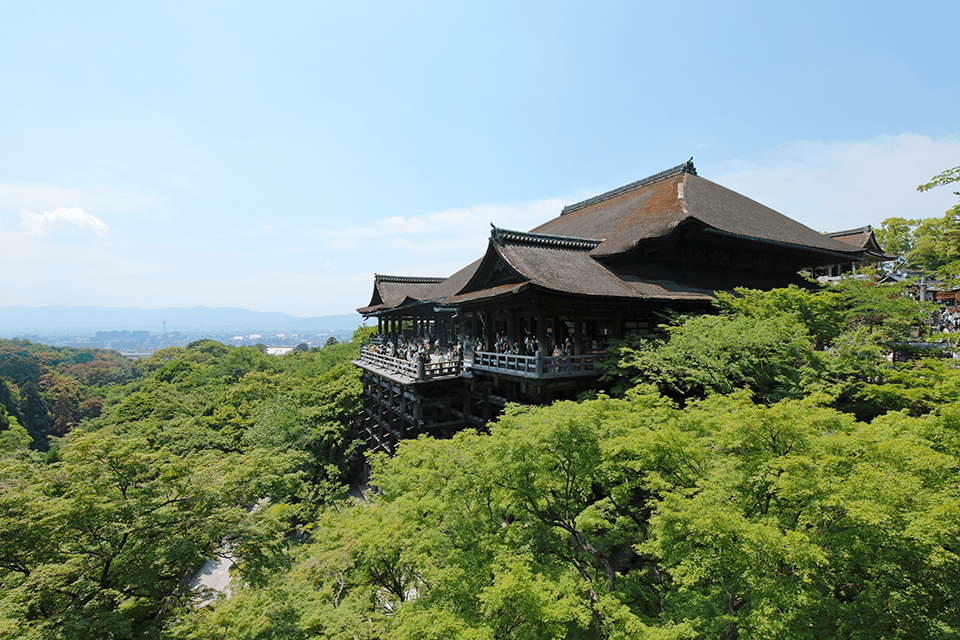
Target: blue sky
(274,156)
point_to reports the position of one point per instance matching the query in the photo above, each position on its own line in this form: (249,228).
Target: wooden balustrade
(537,366)
(523,366)
(416,370)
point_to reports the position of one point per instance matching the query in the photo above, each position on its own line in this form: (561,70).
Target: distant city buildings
(134,344)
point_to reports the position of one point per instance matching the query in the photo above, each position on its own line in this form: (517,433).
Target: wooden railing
(416,370)
(524,366)
(537,366)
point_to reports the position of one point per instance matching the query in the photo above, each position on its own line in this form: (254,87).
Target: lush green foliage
(945,177)
(931,243)
(787,343)
(624,518)
(53,388)
(151,475)
(97,544)
(13,437)
(767,473)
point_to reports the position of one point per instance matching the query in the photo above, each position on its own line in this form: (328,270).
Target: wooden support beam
(578,333)
(488,337)
(542,339)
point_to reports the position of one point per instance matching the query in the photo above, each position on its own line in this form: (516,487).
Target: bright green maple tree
(98,544)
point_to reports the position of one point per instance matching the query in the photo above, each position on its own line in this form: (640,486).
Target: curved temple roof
(653,208)
(396,291)
(568,254)
(863,238)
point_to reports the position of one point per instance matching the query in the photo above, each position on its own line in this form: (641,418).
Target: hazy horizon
(273,159)
(85,318)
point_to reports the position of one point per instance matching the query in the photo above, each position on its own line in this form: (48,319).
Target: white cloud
(42,223)
(826,185)
(837,185)
(458,231)
(45,197)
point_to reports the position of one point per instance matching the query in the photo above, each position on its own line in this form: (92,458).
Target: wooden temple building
(871,253)
(529,320)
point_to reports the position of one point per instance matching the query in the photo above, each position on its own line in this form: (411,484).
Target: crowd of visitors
(942,321)
(412,350)
(430,349)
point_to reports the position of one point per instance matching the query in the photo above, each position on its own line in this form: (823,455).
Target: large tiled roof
(567,254)
(653,208)
(455,283)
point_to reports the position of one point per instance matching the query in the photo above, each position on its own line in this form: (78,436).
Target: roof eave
(852,255)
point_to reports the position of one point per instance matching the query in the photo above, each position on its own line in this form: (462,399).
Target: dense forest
(768,471)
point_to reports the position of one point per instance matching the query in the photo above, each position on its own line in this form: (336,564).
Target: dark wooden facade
(558,295)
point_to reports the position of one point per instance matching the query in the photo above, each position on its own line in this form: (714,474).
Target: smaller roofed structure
(392,292)
(864,239)
(871,253)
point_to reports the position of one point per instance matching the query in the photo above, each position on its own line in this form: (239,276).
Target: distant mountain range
(14,320)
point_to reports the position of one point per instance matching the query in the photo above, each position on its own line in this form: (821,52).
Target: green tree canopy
(98,545)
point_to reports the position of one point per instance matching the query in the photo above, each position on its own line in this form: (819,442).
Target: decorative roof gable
(864,238)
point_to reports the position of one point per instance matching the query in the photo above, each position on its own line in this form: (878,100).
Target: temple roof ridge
(686,167)
(407,279)
(502,236)
(850,232)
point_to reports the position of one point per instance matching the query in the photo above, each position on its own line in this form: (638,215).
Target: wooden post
(487,331)
(578,333)
(543,348)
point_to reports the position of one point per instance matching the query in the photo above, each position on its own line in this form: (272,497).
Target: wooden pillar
(512,328)
(542,339)
(578,333)
(379,325)
(488,336)
(618,328)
